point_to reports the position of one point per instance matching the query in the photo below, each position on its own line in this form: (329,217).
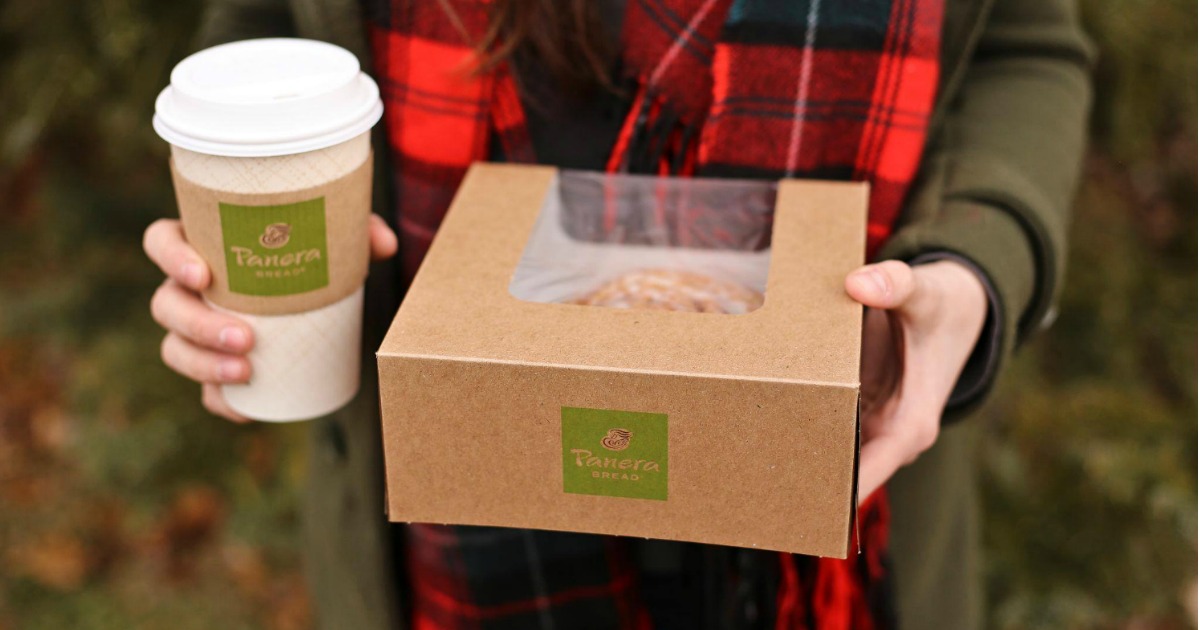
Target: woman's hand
(203,344)
(921,325)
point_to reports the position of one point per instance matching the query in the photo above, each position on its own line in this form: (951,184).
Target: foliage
(1091,472)
(123,505)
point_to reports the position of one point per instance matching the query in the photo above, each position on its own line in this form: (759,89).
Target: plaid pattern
(851,102)
(745,88)
(439,117)
(495,578)
(838,123)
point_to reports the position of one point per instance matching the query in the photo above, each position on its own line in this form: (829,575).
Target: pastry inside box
(631,355)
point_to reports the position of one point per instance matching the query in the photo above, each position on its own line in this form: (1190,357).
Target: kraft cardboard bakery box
(514,394)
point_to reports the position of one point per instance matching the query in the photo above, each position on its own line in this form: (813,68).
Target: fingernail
(230,371)
(878,280)
(233,338)
(192,275)
(872,278)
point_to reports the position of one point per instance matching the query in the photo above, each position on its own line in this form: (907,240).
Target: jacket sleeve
(1003,162)
(231,20)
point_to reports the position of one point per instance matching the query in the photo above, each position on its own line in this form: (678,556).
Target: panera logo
(600,456)
(275,250)
(616,440)
(275,236)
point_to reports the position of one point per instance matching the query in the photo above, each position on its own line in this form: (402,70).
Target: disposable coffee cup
(271,161)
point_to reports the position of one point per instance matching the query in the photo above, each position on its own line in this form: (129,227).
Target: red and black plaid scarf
(745,88)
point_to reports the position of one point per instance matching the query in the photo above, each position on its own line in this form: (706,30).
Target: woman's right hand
(204,344)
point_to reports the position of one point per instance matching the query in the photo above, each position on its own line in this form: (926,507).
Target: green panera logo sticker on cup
(275,250)
(614,453)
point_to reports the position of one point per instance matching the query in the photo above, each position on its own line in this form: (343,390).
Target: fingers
(383,240)
(900,424)
(181,312)
(884,285)
(215,403)
(166,246)
(195,331)
(878,460)
(203,365)
(898,442)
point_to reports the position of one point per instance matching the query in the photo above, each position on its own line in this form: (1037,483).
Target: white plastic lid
(265,97)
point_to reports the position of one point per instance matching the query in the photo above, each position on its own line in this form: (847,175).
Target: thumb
(885,285)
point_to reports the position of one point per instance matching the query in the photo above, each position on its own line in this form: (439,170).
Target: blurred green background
(122,504)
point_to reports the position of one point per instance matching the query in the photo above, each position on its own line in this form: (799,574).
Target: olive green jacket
(995,187)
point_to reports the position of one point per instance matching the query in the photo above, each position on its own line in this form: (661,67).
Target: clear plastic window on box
(634,241)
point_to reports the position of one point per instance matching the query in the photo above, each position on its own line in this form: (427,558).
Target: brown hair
(566,37)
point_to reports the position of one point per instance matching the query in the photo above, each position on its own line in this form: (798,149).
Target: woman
(966,116)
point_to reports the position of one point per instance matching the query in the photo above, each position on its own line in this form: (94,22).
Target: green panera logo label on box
(275,250)
(614,453)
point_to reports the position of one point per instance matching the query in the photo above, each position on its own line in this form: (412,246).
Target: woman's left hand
(920,327)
